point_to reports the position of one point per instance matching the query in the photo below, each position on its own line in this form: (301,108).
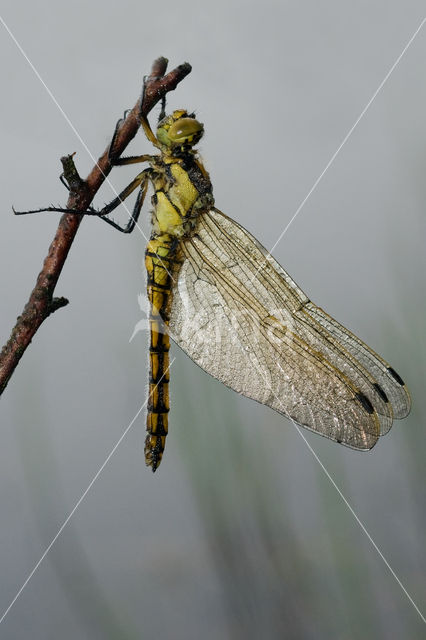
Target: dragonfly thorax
(182,192)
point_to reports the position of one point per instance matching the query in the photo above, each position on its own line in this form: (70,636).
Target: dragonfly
(236,312)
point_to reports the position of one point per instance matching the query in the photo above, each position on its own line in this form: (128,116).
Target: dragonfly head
(179,131)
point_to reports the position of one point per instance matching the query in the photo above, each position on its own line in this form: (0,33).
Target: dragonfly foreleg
(64,182)
(115,161)
(144,120)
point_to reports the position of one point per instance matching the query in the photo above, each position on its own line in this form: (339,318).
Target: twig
(41,302)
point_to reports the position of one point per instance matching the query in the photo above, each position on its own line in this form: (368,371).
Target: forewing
(241,317)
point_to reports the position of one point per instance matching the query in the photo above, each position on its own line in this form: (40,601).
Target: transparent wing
(390,382)
(242,319)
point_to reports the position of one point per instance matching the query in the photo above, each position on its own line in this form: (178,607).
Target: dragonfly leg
(64,182)
(144,120)
(145,126)
(131,223)
(141,181)
(111,156)
(114,160)
(162,113)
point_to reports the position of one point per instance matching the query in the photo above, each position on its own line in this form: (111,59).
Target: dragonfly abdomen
(160,261)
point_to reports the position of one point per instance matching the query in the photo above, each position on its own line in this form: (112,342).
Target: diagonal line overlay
(49,92)
(345,139)
(361,524)
(330,162)
(82,497)
(339,491)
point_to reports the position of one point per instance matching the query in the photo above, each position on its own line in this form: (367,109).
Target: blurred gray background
(239,534)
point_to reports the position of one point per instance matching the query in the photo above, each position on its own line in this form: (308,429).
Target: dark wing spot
(365,402)
(396,376)
(380,391)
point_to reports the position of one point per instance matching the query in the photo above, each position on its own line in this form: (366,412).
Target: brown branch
(41,302)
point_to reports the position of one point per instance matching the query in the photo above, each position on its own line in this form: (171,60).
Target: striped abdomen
(160,264)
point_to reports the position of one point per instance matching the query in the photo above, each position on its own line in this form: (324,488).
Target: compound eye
(184,130)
